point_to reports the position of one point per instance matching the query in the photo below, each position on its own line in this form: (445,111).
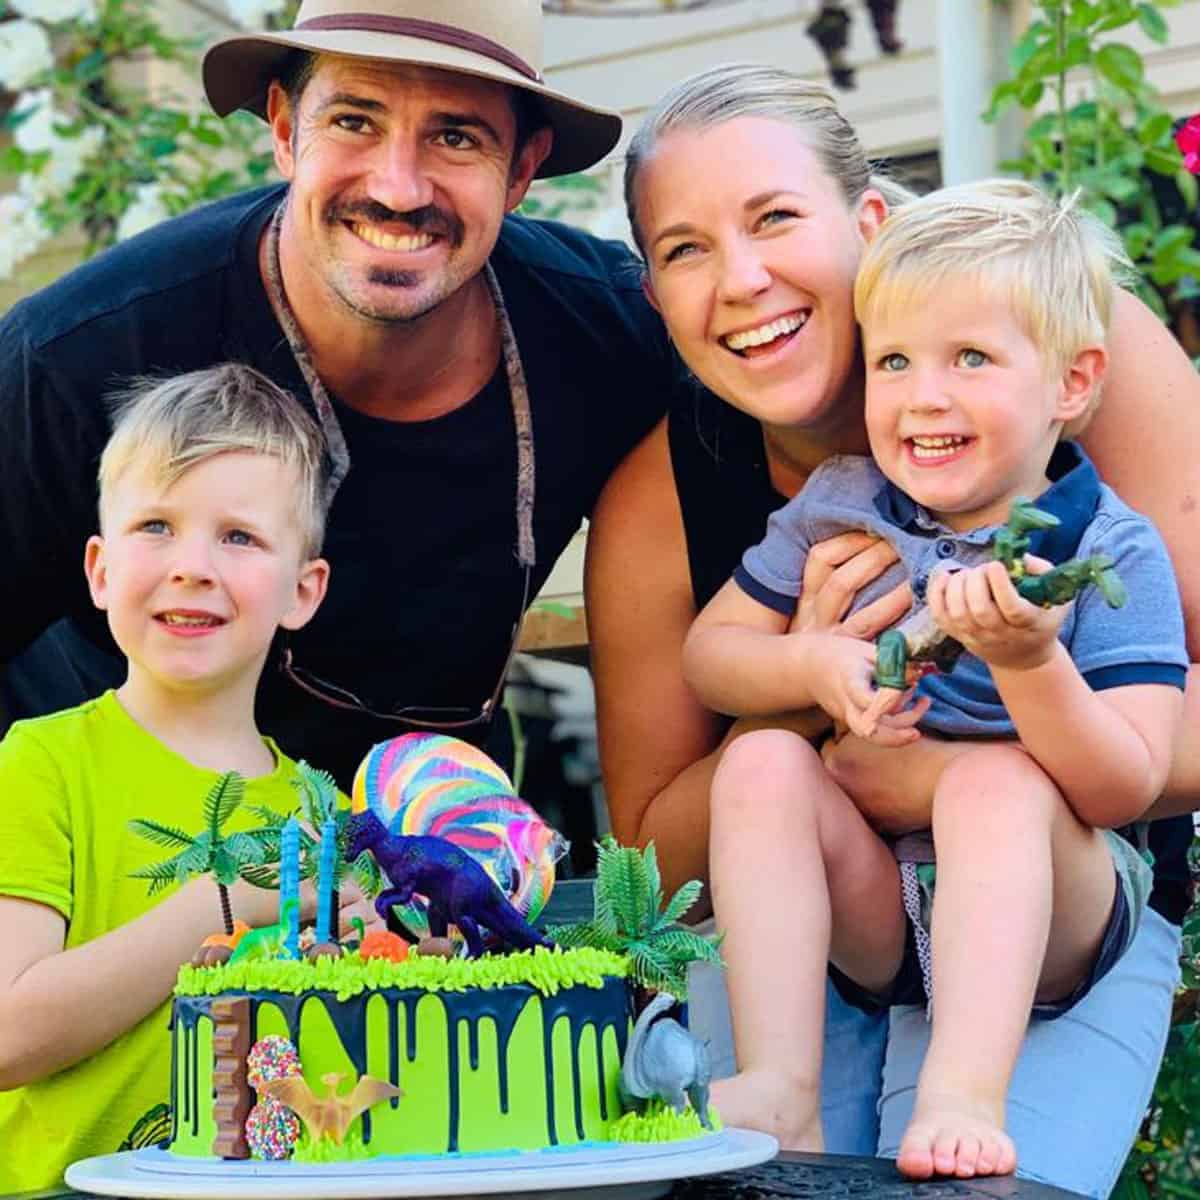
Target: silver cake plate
(594,1172)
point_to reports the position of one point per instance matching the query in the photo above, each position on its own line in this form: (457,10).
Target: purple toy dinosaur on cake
(458,890)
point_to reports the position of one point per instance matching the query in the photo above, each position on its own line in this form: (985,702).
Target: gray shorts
(1133,880)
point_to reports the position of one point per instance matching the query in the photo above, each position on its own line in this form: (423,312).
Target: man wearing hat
(477,375)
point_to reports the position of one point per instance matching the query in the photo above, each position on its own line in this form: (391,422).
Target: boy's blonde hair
(168,425)
(1055,264)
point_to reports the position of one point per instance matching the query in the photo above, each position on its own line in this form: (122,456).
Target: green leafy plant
(96,155)
(223,856)
(319,802)
(1104,132)
(565,195)
(630,918)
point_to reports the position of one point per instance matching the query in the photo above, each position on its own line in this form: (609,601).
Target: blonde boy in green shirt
(212,508)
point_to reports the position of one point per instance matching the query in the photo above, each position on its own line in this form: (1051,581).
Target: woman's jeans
(1081,1084)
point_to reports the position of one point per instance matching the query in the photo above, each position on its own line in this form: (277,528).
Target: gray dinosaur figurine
(664,1061)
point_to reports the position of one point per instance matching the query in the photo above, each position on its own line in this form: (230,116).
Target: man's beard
(429,219)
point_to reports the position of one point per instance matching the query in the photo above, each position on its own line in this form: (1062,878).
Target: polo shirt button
(945,548)
(919,584)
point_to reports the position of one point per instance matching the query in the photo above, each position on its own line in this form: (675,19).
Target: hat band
(430,31)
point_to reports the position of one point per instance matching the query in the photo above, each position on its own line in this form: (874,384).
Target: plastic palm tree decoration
(629,917)
(223,856)
(320,802)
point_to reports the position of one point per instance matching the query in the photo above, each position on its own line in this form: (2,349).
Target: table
(841,1177)
(819,1176)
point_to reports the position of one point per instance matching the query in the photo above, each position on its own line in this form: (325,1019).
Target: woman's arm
(659,745)
(1145,441)
(657,741)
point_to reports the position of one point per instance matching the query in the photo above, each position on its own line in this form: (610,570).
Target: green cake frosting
(546,971)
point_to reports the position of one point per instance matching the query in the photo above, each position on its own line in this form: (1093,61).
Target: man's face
(400,177)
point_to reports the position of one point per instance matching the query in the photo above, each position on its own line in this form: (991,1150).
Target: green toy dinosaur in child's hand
(918,640)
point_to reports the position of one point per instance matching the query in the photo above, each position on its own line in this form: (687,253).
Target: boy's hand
(981,608)
(843,688)
(352,903)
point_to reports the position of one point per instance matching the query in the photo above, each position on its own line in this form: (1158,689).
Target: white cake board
(634,1172)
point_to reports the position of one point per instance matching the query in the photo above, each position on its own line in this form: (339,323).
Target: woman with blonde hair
(752,200)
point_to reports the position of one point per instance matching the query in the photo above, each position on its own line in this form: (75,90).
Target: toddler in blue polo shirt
(983,311)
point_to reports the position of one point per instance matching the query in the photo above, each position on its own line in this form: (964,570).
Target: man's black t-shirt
(425,584)
(726,495)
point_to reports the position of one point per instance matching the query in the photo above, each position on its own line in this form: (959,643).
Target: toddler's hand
(980,607)
(845,691)
(352,903)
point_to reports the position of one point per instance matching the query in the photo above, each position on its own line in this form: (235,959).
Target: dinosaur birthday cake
(464,1031)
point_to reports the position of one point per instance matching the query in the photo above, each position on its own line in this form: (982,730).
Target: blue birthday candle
(289,885)
(326,871)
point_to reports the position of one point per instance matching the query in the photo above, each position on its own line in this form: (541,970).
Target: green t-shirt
(69,784)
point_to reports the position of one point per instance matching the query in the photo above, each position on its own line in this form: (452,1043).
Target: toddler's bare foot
(953,1135)
(773,1103)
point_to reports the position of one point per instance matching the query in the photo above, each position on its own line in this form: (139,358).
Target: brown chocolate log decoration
(232,1097)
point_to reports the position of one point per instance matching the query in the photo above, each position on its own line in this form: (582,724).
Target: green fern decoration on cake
(630,918)
(320,800)
(212,851)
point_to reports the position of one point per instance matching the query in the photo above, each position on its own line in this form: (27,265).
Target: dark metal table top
(823,1176)
(836,1176)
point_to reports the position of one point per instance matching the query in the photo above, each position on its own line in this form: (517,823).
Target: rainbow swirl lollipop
(432,784)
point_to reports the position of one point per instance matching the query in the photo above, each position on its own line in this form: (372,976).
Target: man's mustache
(427,219)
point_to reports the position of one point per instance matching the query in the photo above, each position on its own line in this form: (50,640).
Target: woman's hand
(892,787)
(980,607)
(835,571)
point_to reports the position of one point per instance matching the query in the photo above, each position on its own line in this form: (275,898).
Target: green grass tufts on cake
(327,1150)
(661,1123)
(547,971)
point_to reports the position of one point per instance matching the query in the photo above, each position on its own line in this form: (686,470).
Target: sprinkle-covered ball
(271,1129)
(271,1057)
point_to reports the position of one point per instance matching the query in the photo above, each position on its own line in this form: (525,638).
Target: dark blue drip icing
(173,1026)
(184,1020)
(582,1006)
(504,1006)
(411,1000)
(393,1028)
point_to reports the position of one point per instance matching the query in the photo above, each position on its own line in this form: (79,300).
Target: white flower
(38,118)
(253,14)
(148,208)
(55,11)
(21,231)
(24,53)
(67,158)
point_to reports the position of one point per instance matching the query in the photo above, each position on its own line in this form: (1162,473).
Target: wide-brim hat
(490,39)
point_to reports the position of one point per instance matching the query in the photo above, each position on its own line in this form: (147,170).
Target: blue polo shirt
(1142,642)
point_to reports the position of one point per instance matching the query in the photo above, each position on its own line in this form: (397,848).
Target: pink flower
(1187,138)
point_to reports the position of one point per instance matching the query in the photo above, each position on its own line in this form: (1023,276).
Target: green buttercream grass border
(546,971)
(659,1122)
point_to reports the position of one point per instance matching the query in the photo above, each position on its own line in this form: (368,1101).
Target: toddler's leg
(798,878)
(1024,893)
